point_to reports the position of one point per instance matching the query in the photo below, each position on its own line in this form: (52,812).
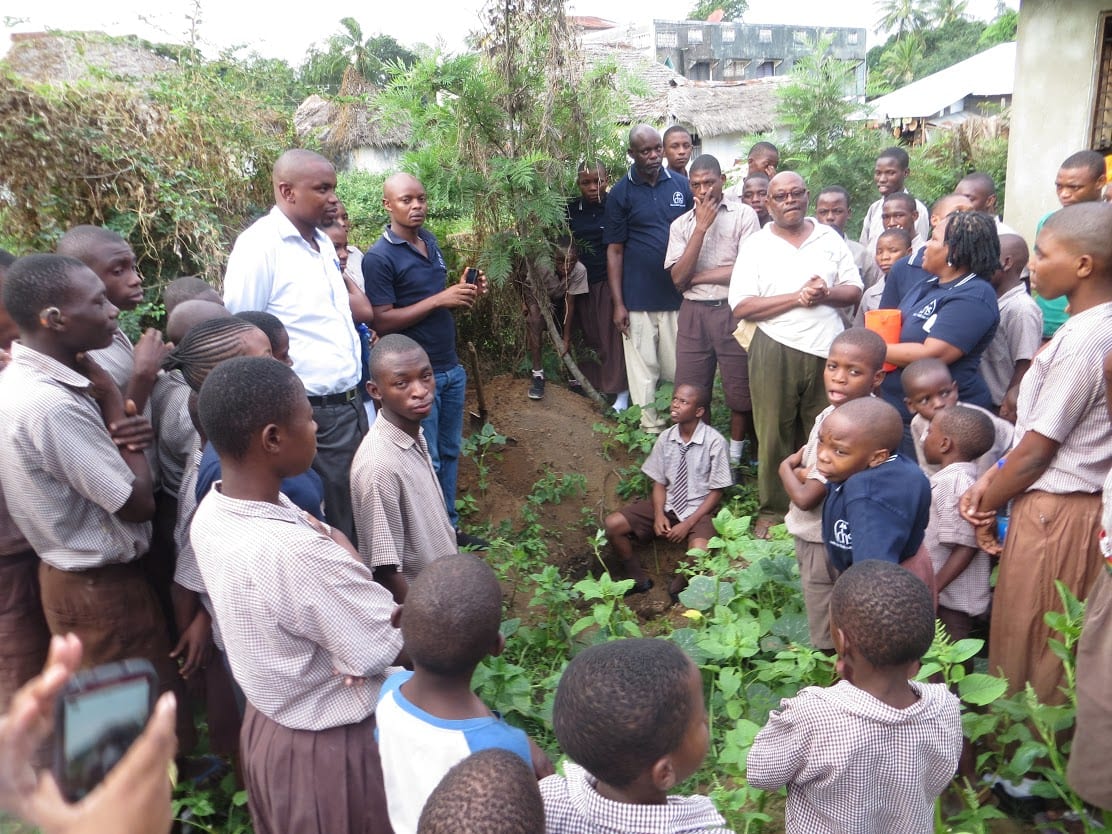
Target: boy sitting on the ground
(630,714)
(430,719)
(401,523)
(892,245)
(877,501)
(928,389)
(872,752)
(566,280)
(689,467)
(955,439)
(489,792)
(854,369)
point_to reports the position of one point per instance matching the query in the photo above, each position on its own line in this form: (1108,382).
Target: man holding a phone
(406,280)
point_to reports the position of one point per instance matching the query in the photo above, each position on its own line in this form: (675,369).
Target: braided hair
(205,346)
(973,242)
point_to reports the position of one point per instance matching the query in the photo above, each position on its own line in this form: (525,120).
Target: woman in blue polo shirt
(953,315)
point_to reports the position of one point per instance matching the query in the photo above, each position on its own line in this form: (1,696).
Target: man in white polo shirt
(285,265)
(791,279)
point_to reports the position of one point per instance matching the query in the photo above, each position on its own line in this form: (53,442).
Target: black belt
(709,302)
(334,399)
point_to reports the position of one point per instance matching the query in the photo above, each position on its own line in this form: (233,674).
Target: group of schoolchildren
(212,440)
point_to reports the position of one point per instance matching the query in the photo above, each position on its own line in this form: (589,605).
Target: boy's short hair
(871,344)
(205,346)
(836,189)
(706,162)
(896,154)
(915,371)
(763,147)
(77,242)
(702,395)
(885,611)
(622,705)
(885,426)
(971,430)
(451,614)
(983,179)
(900,234)
(189,313)
(182,289)
(269,323)
(490,792)
(35,282)
(675,129)
(902,197)
(590,165)
(1091,161)
(392,344)
(6,260)
(1084,227)
(243,395)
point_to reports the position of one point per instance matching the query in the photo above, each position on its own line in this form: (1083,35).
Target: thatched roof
(341,128)
(67,57)
(713,108)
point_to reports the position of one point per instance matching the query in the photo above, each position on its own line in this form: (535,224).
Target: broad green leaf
(979,689)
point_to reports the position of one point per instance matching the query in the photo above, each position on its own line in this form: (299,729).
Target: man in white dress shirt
(285,265)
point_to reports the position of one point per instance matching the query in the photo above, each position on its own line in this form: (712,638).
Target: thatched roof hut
(68,57)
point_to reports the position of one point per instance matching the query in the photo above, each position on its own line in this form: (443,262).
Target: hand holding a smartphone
(471,285)
(134,797)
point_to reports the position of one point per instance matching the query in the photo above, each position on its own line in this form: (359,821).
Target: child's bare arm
(681,531)
(392,579)
(149,352)
(956,562)
(361,310)
(661,525)
(806,494)
(542,765)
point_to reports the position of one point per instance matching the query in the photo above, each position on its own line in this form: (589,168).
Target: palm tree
(904,17)
(943,12)
(900,60)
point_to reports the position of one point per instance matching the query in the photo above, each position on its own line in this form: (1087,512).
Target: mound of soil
(556,435)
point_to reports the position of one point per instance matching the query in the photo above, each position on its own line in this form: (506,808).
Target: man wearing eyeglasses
(791,278)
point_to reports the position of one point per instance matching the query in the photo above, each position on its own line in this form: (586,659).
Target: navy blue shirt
(962,313)
(640,215)
(396,274)
(880,513)
(905,274)
(305,490)
(585,220)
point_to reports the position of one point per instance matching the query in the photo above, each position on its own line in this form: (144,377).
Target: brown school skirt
(1050,536)
(24,637)
(313,781)
(1090,768)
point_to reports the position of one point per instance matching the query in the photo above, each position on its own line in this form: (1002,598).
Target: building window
(728,35)
(694,35)
(766,69)
(666,40)
(764,36)
(799,36)
(699,71)
(1102,111)
(851,39)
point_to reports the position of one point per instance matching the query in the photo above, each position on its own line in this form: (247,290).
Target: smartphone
(471,275)
(99,713)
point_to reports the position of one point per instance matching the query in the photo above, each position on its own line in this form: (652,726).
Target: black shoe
(576,388)
(536,390)
(640,588)
(472,542)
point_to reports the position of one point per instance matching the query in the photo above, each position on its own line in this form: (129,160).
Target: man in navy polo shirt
(639,214)
(406,281)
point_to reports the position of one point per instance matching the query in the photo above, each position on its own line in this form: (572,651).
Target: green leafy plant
(478,446)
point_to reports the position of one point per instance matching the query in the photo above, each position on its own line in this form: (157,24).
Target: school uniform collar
(288,231)
(52,368)
(697,436)
(952,286)
(401,439)
(583,205)
(285,511)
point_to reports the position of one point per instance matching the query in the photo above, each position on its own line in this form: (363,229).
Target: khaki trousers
(650,356)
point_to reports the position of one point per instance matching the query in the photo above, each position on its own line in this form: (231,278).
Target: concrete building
(1062,100)
(704,51)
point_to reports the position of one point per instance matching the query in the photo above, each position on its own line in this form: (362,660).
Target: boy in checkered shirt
(631,716)
(874,751)
(955,439)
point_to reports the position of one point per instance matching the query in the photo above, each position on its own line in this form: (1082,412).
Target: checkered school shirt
(176,434)
(969,592)
(293,608)
(63,477)
(398,505)
(573,806)
(853,764)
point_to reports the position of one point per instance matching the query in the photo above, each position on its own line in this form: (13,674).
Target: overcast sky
(284,29)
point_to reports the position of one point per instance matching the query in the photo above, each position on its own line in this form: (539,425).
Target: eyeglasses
(782,196)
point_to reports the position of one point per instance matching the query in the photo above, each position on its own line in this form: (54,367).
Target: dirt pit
(556,435)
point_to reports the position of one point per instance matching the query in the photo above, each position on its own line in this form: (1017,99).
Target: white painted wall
(1052,106)
(376,160)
